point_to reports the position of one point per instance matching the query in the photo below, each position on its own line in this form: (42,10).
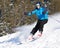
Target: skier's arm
(32,12)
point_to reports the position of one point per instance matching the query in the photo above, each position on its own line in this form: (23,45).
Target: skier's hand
(43,12)
(25,13)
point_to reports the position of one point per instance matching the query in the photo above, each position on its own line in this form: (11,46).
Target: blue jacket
(39,13)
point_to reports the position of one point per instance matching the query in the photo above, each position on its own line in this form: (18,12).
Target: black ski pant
(39,26)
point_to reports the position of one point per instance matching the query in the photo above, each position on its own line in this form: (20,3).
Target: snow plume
(49,39)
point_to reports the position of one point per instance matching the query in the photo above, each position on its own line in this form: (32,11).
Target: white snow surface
(49,39)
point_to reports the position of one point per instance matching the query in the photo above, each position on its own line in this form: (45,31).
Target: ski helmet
(38,4)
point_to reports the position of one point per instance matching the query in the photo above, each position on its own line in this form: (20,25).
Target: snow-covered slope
(49,39)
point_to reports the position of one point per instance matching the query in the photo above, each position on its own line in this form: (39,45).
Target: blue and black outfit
(42,15)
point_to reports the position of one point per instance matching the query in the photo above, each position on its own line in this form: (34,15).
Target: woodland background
(12,13)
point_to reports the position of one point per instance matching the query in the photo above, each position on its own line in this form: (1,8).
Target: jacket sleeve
(32,12)
(45,11)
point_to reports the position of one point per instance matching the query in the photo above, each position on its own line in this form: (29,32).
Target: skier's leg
(38,34)
(35,28)
(40,30)
(42,23)
(41,26)
(34,31)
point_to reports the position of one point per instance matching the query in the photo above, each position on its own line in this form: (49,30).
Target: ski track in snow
(49,39)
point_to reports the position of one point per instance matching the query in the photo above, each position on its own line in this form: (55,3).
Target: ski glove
(25,13)
(44,12)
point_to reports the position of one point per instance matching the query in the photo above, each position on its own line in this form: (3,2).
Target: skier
(42,15)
